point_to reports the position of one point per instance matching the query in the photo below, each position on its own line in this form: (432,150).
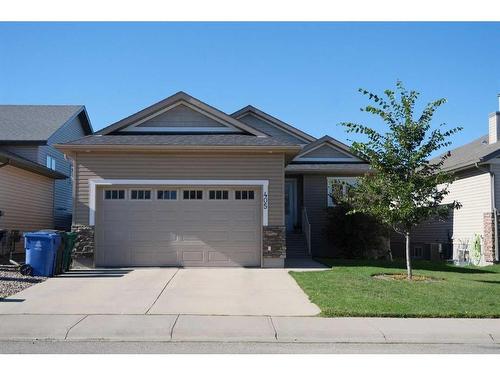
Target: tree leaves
(405,188)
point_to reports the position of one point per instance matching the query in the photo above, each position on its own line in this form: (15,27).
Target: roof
(179,140)
(351,168)
(16,161)
(273,121)
(36,123)
(167,102)
(477,151)
(330,140)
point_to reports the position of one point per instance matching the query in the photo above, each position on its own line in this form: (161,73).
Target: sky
(306,74)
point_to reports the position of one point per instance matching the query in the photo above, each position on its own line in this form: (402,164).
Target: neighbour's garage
(197,226)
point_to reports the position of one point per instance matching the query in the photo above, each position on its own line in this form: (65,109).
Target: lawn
(349,289)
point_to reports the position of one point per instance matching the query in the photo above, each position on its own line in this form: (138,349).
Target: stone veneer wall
(275,238)
(489,237)
(83,252)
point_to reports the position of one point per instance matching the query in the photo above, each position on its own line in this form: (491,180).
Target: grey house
(35,178)
(182,183)
(476,166)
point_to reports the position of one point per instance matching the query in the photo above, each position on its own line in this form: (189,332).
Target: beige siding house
(476,166)
(27,135)
(182,183)
(26,195)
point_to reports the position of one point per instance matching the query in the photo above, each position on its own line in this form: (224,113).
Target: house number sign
(265,200)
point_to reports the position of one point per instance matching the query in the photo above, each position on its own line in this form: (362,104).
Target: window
(166,194)
(51,163)
(418,252)
(192,194)
(244,194)
(140,194)
(218,194)
(114,194)
(338,186)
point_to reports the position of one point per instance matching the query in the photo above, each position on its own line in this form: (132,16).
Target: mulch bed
(403,277)
(12,282)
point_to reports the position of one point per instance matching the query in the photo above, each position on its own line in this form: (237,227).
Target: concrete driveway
(210,291)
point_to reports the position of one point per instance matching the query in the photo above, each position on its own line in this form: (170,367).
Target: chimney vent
(494,125)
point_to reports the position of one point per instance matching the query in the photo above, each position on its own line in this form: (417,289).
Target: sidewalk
(203,328)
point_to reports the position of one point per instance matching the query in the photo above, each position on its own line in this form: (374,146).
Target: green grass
(348,289)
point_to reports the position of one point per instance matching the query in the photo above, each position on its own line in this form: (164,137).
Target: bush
(355,235)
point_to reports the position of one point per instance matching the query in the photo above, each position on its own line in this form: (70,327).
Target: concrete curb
(217,328)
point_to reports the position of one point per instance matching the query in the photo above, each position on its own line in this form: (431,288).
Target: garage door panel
(178,232)
(196,256)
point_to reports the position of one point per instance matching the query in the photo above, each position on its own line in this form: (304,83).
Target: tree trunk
(408,256)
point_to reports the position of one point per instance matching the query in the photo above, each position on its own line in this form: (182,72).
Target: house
(35,178)
(182,183)
(476,166)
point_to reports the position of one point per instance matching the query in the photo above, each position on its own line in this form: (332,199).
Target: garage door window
(140,194)
(192,194)
(114,194)
(244,194)
(166,194)
(218,194)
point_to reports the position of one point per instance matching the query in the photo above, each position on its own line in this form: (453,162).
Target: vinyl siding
(180,166)
(27,152)
(181,116)
(25,200)
(473,190)
(495,168)
(263,126)
(63,188)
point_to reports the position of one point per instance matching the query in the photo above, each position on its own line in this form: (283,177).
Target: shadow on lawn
(418,265)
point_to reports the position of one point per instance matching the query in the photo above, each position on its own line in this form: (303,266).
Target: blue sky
(307,74)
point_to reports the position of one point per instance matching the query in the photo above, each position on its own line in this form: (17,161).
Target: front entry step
(296,246)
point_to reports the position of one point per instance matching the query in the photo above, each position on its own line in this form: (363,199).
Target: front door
(290,203)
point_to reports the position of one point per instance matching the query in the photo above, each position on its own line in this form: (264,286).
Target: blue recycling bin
(41,249)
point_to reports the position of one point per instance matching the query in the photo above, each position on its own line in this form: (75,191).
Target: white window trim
(330,180)
(129,192)
(94,183)
(195,199)
(50,162)
(164,190)
(104,195)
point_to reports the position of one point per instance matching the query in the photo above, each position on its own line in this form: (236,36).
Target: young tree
(405,188)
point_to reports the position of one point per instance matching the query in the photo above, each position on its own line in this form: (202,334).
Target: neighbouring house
(476,166)
(35,178)
(182,183)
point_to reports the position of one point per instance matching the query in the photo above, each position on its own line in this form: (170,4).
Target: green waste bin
(69,239)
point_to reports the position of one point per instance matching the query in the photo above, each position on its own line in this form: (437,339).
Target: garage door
(178,226)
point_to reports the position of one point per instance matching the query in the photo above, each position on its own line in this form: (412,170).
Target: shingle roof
(28,165)
(354,168)
(180,140)
(34,122)
(477,151)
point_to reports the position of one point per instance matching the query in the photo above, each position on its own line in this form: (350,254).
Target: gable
(178,118)
(264,126)
(327,151)
(177,114)
(324,151)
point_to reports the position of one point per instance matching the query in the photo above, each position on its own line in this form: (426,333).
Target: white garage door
(178,226)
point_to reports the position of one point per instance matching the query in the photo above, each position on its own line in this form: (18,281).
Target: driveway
(210,291)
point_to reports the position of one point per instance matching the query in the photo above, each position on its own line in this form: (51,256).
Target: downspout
(493,206)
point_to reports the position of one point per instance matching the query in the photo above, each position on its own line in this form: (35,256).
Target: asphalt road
(91,347)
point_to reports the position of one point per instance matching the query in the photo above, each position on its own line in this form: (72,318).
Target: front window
(338,186)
